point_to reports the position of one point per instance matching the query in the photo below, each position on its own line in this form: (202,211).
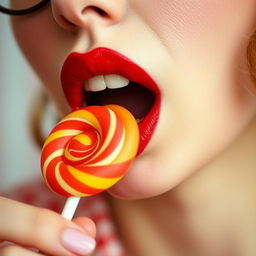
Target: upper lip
(100,61)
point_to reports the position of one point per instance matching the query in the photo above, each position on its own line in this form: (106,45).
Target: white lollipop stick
(70,207)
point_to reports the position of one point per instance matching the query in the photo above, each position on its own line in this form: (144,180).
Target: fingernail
(77,242)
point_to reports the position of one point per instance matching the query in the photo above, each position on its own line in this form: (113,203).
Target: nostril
(100,12)
(95,9)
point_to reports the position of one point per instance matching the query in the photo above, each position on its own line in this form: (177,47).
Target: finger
(87,224)
(42,229)
(15,250)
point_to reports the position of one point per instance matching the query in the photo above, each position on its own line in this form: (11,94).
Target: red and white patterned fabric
(95,207)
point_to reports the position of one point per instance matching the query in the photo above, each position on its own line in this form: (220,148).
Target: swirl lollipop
(89,150)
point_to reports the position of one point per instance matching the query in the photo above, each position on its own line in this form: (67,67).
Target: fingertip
(87,224)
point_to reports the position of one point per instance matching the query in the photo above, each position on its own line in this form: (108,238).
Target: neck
(211,213)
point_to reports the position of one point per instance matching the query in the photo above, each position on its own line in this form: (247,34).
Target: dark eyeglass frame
(24,11)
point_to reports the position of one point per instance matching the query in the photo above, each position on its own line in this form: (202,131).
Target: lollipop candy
(89,150)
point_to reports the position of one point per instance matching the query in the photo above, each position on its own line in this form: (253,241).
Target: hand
(28,226)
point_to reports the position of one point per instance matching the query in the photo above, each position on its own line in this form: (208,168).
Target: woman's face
(195,51)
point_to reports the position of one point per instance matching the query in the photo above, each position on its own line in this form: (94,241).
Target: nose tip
(84,14)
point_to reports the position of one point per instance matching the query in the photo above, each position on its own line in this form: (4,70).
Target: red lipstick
(103,61)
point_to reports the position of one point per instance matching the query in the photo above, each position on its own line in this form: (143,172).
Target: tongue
(136,98)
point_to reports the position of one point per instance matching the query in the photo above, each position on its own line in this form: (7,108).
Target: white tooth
(86,85)
(115,81)
(97,83)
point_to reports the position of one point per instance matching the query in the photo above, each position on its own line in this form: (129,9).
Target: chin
(127,191)
(137,185)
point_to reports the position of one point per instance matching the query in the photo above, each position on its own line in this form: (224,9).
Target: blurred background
(19,156)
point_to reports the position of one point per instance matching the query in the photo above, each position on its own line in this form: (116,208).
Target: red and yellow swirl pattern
(89,150)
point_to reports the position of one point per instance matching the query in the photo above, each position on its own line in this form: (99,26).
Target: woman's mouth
(103,76)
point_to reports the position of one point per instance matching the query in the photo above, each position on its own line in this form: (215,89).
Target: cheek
(207,41)
(193,23)
(205,105)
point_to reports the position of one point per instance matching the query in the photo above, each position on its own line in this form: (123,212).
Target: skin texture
(196,52)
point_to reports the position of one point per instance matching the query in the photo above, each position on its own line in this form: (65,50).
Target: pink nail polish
(77,242)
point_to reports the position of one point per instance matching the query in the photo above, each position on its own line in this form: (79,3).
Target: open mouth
(114,89)
(103,76)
